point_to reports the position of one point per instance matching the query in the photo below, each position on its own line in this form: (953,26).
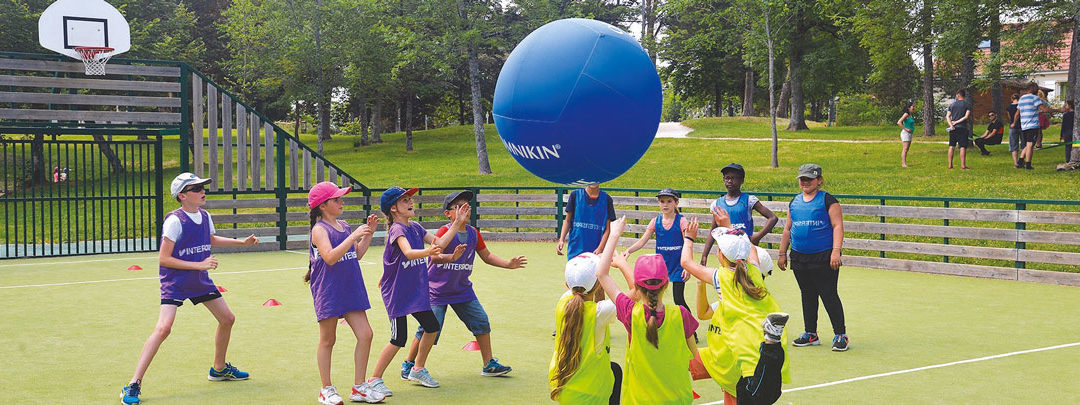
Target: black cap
(670,192)
(468,195)
(734,166)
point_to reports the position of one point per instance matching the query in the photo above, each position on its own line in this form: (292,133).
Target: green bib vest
(657,375)
(593,380)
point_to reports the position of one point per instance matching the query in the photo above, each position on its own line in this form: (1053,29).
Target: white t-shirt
(605,314)
(171,228)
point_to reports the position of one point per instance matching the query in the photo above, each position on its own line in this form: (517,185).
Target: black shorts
(959,137)
(399,327)
(194,300)
(1030,135)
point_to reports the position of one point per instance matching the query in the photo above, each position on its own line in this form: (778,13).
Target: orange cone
(471,346)
(271,303)
(221,289)
(134,267)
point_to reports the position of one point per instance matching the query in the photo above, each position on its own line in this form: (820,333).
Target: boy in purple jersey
(448,281)
(404,282)
(184,258)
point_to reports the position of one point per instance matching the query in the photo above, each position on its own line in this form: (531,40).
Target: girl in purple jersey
(184,258)
(404,284)
(337,287)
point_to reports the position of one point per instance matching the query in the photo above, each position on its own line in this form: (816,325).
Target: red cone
(134,267)
(696,396)
(221,289)
(271,303)
(471,346)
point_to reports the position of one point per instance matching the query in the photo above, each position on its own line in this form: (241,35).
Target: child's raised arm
(365,242)
(330,253)
(458,225)
(413,254)
(515,262)
(704,310)
(603,269)
(696,269)
(648,234)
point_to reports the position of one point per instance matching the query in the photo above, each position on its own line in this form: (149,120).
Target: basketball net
(94,57)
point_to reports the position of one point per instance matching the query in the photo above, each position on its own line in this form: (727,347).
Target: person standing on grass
(907,129)
(581,370)
(337,288)
(449,285)
(184,260)
(1016,138)
(1067,128)
(993,134)
(661,341)
(958,117)
(739,207)
(1027,112)
(815,232)
(404,282)
(668,228)
(588,213)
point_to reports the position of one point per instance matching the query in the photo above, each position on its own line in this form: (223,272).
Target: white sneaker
(774,325)
(364,393)
(379,386)
(329,396)
(423,377)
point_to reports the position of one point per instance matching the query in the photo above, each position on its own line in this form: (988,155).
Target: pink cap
(650,267)
(324,191)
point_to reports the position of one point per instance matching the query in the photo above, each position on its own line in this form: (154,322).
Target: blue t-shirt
(1029,111)
(590,218)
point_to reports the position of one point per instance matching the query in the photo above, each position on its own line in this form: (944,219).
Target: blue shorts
(471,314)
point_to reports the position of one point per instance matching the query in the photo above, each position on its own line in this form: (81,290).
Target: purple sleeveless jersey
(337,288)
(193,246)
(404,282)
(449,282)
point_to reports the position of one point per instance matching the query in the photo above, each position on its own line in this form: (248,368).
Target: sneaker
(807,339)
(130,393)
(423,377)
(774,325)
(493,368)
(228,373)
(840,343)
(365,393)
(379,386)
(406,367)
(328,396)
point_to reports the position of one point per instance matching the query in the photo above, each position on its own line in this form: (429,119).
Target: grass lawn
(84,332)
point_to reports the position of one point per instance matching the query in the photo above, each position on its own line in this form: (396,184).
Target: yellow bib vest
(657,375)
(735,332)
(593,380)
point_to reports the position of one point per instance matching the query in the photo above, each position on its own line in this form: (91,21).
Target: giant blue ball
(577,102)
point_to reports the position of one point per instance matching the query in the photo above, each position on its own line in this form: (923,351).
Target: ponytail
(742,279)
(314,215)
(568,349)
(652,301)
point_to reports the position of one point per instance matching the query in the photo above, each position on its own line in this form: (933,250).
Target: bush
(861,109)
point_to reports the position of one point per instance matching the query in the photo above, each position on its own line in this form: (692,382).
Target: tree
(700,51)
(764,22)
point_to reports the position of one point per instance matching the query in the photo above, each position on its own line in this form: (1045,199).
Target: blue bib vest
(669,243)
(741,217)
(811,228)
(587,228)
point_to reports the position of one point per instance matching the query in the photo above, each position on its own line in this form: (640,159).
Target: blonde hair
(568,348)
(742,278)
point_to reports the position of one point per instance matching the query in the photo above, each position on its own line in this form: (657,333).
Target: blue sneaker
(228,373)
(423,377)
(131,393)
(494,369)
(406,367)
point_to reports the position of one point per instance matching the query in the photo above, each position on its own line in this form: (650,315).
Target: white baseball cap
(581,271)
(733,243)
(185,179)
(766,263)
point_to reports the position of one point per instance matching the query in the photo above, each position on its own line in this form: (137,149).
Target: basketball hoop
(94,57)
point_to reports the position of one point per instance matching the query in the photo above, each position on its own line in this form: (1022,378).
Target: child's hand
(692,229)
(360,231)
(458,251)
(433,250)
(559,247)
(251,240)
(518,262)
(617,227)
(372,222)
(463,213)
(721,217)
(618,259)
(781,262)
(209,263)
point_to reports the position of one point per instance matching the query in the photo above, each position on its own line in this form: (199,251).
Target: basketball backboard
(67,24)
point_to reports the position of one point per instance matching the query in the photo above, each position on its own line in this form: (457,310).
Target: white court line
(306,253)
(41,263)
(912,370)
(142,278)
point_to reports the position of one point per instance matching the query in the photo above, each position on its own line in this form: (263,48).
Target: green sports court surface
(72,329)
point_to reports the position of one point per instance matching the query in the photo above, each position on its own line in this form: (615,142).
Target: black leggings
(678,292)
(818,280)
(764,386)
(399,327)
(616,389)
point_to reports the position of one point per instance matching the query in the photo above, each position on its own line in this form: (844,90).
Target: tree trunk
(1074,80)
(648,26)
(748,93)
(785,98)
(397,122)
(815,110)
(483,167)
(927,18)
(997,95)
(772,91)
(967,74)
(376,122)
(115,164)
(408,122)
(717,99)
(37,161)
(365,119)
(461,101)
(730,108)
(296,127)
(798,104)
(324,121)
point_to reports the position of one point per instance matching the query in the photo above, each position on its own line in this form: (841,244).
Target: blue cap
(391,195)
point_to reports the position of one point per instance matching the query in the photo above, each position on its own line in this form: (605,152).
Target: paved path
(678,130)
